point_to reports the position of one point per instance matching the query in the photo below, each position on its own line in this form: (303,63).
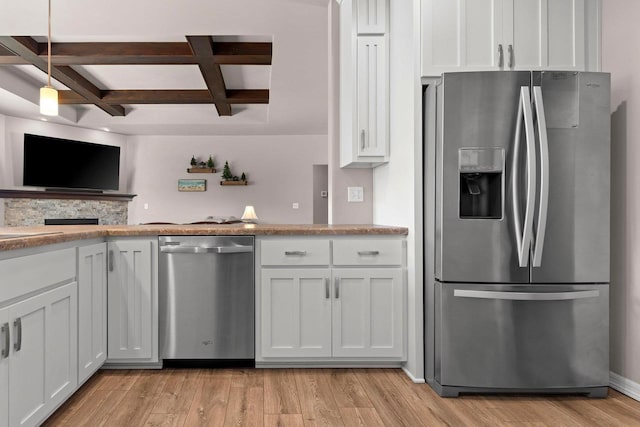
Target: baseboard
(412,378)
(624,385)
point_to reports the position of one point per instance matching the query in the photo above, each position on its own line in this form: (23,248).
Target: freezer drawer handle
(5,349)
(205,249)
(526,296)
(538,244)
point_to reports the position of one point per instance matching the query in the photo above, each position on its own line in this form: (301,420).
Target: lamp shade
(48,101)
(249,214)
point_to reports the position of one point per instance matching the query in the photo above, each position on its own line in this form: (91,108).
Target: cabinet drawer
(295,252)
(367,252)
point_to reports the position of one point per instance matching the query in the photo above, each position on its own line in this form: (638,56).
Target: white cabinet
(132,301)
(296,312)
(5,349)
(92,309)
(364,83)
(42,361)
(473,35)
(372,16)
(352,309)
(368,312)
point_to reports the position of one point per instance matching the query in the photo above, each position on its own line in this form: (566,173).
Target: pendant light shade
(48,101)
(48,95)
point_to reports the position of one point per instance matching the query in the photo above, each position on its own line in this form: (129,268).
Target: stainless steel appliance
(517,232)
(206,297)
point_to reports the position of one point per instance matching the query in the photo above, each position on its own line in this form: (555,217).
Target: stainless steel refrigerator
(517,183)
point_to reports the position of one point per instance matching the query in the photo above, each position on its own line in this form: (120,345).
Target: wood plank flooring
(315,397)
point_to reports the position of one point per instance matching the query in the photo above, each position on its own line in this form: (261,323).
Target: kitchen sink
(17,235)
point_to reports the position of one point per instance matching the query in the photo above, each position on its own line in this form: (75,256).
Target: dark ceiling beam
(239,96)
(232,53)
(28,48)
(202,48)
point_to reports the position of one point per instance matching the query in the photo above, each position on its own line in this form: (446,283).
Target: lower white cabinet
(40,364)
(350,309)
(92,309)
(368,312)
(132,301)
(296,312)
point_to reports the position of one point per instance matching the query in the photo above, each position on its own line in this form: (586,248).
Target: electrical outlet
(295,205)
(355,194)
(146,206)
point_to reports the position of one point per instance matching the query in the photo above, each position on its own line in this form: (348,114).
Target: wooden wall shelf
(234,182)
(69,195)
(201,170)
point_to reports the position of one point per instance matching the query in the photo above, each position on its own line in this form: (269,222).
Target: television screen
(63,163)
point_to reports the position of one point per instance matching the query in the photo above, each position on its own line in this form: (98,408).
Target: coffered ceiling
(171,67)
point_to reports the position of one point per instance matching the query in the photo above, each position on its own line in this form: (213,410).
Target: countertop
(59,234)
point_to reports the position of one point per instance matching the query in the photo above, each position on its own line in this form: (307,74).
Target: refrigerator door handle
(526,296)
(543,208)
(524,232)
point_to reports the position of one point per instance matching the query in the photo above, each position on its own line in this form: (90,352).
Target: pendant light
(48,95)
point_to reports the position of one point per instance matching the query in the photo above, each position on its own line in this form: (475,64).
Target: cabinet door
(295,313)
(129,300)
(373,96)
(463,35)
(92,309)
(5,350)
(43,359)
(368,312)
(372,16)
(545,34)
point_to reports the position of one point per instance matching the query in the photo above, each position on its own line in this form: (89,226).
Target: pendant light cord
(49,47)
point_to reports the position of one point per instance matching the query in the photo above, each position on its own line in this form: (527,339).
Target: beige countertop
(58,234)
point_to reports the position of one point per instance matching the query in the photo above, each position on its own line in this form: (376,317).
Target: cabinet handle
(362,139)
(500,56)
(510,53)
(363,253)
(327,291)
(110,260)
(5,349)
(17,325)
(337,287)
(298,253)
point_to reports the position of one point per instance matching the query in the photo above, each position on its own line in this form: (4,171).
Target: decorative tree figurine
(243,177)
(194,162)
(210,162)
(226,172)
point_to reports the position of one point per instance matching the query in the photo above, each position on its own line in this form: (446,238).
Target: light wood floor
(305,397)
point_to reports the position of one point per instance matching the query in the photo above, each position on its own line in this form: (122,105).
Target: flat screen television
(67,164)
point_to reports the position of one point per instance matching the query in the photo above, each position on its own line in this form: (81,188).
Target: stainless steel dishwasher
(206,298)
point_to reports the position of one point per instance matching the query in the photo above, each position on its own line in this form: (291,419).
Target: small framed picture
(192,185)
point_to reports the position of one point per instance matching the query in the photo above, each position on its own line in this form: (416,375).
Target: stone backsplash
(26,212)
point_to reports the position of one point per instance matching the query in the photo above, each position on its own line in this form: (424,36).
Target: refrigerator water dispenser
(481,182)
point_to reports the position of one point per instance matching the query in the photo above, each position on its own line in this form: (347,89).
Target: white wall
(279,170)
(621,57)
(398,185)
(13,139)
(4,170)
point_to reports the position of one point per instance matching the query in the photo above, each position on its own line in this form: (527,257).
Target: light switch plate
(355,194)
(295,205)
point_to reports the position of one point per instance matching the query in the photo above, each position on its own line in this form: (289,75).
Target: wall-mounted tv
(67,164)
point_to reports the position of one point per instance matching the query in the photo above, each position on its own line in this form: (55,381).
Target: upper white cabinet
(92,309)
(372,16)
(132,301)
(475,35)
(364,83)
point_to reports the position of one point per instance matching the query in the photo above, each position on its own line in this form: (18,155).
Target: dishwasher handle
(206,249)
